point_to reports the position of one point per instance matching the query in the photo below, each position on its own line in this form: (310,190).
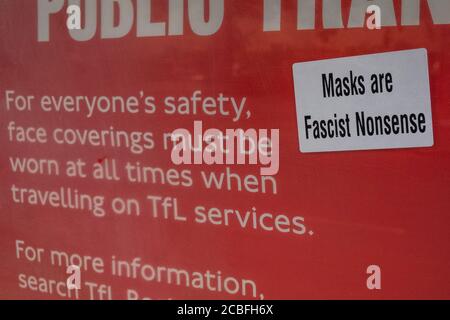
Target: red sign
(88,177)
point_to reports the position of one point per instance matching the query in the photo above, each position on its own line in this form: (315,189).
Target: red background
(384,207)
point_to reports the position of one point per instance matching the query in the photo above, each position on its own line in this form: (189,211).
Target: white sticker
(377,101)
